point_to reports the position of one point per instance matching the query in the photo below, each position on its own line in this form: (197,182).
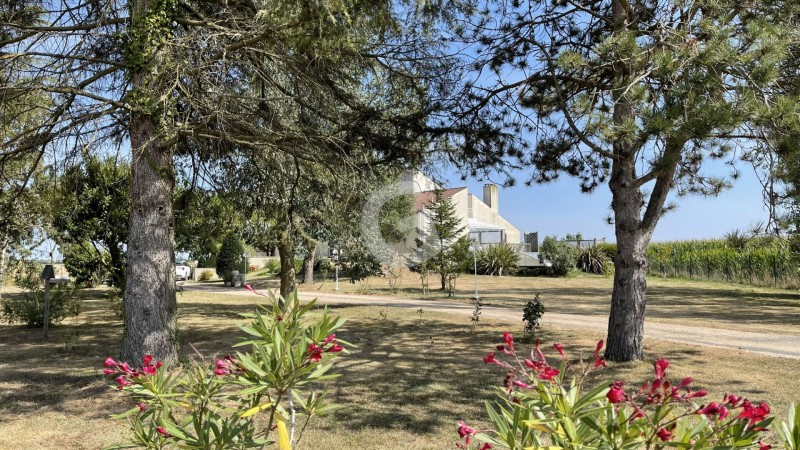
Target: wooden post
(46,305)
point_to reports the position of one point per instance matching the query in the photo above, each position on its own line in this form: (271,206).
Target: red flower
(314,352)
(142,406)
(146,360)
(123,381)
(162,431)
(490,359)
(520,384)
(502,348)
(685,382)
(329,339)
(754,413)
(664,434)
(661,368)
(465,431)
(548,374)
(616,394)
(560,349)
(731,399)
(600,362)
(486,446)
(335,348)
(598,348)
(509,340)
(763,446)
(697,394)
(109,362)
(712,409)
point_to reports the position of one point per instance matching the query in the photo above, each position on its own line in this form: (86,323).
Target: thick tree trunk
(150,304)
(626,320)
(286,255)
(308,262)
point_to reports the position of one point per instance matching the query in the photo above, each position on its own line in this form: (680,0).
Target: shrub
(496,259)
(560,254)
(298,265)
(204,275)
(594,260)
(230,256)
(213,405)
(541,407)
(252,268)
(324,267)
(84,263)
(531,314)
(609,249)
(273,265)
(28,307)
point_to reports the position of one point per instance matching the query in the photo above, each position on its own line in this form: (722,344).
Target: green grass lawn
(408,382)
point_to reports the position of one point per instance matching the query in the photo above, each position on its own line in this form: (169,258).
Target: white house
(480,217)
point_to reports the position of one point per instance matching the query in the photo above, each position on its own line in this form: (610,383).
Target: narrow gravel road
(778,345)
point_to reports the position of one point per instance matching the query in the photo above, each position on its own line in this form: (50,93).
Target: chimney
(490,196)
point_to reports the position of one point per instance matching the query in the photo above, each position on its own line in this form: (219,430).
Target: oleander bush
(262,396)
(548,404)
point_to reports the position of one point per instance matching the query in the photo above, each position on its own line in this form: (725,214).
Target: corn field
(762,262)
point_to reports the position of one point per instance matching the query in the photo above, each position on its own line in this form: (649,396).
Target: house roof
(476,225)
(425,199)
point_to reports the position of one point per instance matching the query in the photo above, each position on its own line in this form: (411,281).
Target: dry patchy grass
(686,302)
(409,380)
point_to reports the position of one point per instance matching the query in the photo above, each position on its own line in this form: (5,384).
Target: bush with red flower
(214,404)
(544,404)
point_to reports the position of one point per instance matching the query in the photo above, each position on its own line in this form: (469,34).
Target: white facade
(480,217)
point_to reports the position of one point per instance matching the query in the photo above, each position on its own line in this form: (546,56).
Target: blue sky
(559,208)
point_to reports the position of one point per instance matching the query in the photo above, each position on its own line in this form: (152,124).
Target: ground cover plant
(400,374)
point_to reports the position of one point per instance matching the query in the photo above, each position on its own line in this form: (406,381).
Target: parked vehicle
(182,272)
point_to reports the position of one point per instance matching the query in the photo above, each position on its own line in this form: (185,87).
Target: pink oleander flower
(520,384)
(712,409)
(548,374)
(664,434)
(616,394)
(123,381)
(661,368)
(329,339)
(142,406)
(335,348)
(489,359)
(560,349)
(486,446)
(109,362)
(314,352)
(754,413)
(697,394)
(509,340)
(465,431)
(763,446)
(685,382)
(162,431)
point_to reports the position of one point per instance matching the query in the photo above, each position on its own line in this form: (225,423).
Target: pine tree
(439,249)
(638,95)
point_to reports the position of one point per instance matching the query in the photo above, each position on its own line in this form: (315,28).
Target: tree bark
(286,255)
(308,262)
(626,318)
(149,296)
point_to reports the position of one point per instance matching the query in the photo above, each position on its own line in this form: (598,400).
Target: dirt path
(777,345)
